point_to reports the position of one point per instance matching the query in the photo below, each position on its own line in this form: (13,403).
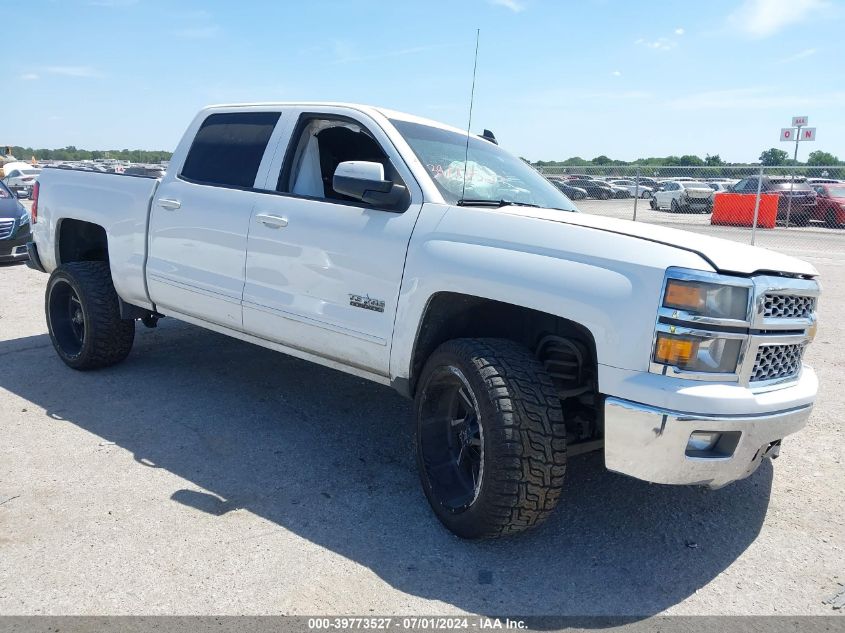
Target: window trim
(305,117)
(206,183)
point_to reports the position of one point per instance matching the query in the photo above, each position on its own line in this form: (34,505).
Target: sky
(556,78)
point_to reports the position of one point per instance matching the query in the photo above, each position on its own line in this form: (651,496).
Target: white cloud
(29,76)
(616,73)
(660,44)
(679,31)
(513,5)
(764,18)
(800,55)
(72,71)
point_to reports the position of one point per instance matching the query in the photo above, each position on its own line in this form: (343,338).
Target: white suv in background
(683,197)
(641,191)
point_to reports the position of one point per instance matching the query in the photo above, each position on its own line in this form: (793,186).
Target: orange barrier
(737,209)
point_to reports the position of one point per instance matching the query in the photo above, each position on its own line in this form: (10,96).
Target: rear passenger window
(228,148)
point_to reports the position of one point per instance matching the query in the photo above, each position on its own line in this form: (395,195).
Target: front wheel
(653,204)
(83,316)
(491,441)
(645,195)
(604,195)
(674,207)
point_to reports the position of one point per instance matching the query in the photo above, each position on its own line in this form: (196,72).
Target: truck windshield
(492,175)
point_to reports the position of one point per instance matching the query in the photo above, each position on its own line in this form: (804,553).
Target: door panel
(197,251)
(328,280)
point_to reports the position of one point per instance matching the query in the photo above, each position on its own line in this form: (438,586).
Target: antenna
(469,123)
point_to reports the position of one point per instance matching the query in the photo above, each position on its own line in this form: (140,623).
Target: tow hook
(773,450)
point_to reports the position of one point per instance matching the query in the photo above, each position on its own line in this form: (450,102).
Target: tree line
(71,153)
(771,158)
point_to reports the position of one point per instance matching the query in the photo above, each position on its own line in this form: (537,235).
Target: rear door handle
(169,203)
(272,221)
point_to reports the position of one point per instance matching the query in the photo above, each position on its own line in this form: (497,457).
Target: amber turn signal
(674,350)
(684,295)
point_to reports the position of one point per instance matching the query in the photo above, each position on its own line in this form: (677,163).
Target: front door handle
(169,203)
(272,221)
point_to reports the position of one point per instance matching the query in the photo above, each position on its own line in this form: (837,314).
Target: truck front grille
(774,362)
(777,306)
(6,227)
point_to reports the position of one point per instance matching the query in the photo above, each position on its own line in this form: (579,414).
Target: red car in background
(830,203)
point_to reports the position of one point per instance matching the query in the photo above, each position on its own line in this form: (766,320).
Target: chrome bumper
(651,444)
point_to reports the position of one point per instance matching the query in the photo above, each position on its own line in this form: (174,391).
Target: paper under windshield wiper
(482,202)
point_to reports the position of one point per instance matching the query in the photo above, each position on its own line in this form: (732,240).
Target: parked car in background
(721,187)
(144,170)
(599,189)
(797,198)
(681,196)
(573,193)
(20,177)
(830,203)
(823,181)
(633,188)
(14,227)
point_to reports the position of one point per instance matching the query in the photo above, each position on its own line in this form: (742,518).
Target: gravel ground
(208,476)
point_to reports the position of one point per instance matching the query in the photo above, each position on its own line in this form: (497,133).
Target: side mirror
(364,181)
(20,193)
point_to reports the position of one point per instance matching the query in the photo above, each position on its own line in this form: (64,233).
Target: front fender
(607,282)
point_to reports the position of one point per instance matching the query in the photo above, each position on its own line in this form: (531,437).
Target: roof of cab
(367,109)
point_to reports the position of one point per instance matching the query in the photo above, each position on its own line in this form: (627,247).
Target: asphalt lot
(208,476)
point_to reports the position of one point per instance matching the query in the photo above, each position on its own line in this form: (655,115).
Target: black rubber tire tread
(108,338)
(524,437)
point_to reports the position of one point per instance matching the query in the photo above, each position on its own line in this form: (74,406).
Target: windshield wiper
(482,202)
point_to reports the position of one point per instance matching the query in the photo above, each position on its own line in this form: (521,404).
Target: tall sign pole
(798,132)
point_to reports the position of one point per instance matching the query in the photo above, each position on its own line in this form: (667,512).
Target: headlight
(707,299)
(24,219)
(689,352)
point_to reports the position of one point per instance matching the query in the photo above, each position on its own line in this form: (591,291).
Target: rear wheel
(491,441)
(653,204)
(604,195)
(83,316)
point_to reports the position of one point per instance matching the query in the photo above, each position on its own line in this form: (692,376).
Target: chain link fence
(799,210)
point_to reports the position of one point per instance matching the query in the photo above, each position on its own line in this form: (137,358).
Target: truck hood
(724,255)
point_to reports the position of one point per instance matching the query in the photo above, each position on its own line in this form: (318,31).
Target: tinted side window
(228,148)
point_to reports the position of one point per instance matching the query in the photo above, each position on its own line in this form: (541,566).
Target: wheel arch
(80,240)
(449,315)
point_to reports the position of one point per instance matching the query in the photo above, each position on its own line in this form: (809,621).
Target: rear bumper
(650,443)
(34,260)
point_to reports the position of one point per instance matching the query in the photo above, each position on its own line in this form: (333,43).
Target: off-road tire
(524,437)
(107,338)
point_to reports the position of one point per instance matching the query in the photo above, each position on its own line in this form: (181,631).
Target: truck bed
(119,203)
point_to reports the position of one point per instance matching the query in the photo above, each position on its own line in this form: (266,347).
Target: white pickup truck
(412,254)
